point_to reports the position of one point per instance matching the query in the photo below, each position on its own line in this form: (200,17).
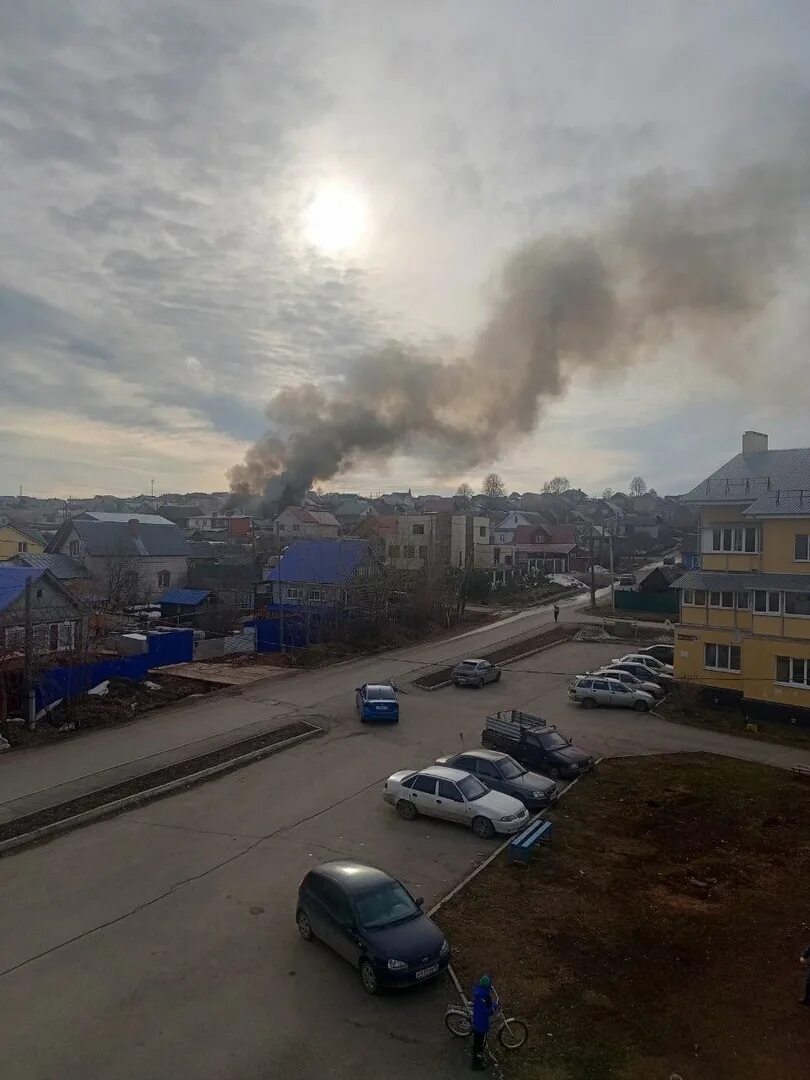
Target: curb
(511,660)
(108,809)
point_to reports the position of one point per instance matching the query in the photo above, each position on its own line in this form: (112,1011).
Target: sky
(202,203)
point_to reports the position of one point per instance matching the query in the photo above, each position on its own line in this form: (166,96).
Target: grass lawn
(660,931)
(731,721)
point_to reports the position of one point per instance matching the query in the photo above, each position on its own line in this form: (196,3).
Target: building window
(296,528)
(766,603)
(792,670)
(695,597)
(743,601)
(418,530)
(53,630)
(314,596)
(482,530)
(801,547)
(721,657)
(721,599)
(164,579)
(736,538)
(409,551)
(422,551)
(294,593)
(22,545)
(507,559)
(75,549)
(797,603)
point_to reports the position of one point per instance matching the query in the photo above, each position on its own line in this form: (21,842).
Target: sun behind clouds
(336,219)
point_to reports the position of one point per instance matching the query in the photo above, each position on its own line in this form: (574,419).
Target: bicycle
(512,1032)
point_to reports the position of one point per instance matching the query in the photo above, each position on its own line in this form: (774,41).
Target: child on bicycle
(484,1004)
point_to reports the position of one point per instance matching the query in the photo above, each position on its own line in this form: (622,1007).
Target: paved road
(161,943)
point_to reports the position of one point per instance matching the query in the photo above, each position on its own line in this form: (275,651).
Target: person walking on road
(484,1006)
(804,960)
(556,613)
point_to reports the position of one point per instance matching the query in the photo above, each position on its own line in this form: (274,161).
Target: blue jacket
(483,1008)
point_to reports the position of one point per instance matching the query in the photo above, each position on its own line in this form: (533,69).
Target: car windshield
(379,693)
(471,788)
(385,906)
(553,741)
(509,769)
(468,665)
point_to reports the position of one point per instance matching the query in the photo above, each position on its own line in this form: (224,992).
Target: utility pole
(593,574)
(28,660)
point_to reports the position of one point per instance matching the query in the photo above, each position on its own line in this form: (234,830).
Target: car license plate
(380,708)
(423,974)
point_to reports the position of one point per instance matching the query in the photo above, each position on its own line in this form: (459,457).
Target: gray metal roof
(793,503)
(113,538)
(61,566)
(748,477)
(144,519)
(718,580)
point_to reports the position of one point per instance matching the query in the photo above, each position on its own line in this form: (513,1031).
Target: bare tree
(638,485)
(465,492)
(493,486)
(608,491)
(557,485)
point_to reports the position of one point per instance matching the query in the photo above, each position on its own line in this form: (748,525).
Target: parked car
(370,919)
(657,667)
(377,701)
(454,795)
(641,671)
(590,691)
(632,681)
(663,652)
(475,673)
(500,772)
(535,744)
(627,581)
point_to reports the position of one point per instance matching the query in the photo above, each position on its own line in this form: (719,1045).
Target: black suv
(535,745)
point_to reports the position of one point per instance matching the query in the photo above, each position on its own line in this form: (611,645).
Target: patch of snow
(567,581)
(100,690)
(152,685)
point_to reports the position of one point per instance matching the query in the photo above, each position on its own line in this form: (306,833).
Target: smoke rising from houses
(671,266)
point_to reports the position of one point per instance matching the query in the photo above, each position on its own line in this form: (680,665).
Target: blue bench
(520,850)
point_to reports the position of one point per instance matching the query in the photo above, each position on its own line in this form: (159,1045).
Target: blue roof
(322,562)
(184,597)
(12,582)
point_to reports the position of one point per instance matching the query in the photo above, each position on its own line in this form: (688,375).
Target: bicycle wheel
(457,1022)
(513,1033)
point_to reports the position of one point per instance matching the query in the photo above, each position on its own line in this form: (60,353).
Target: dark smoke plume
(670,267)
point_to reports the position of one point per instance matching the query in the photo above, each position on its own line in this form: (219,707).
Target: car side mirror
(419,901)
(357,689)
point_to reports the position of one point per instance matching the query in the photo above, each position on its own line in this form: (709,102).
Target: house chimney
(134,527)
(754,442)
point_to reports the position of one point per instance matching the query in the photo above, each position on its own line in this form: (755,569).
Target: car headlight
(538,794)
(396,965)
(445,949)
(512,817)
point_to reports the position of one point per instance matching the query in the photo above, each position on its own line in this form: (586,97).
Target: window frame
(768,593)
(796,538)
(790,661)
(720,593)
(164,579)
(454,796)
(314,596)
(795,614)
(428,779)
(717,666)
(293,592)
(409,551)
(734,539)
(417,530)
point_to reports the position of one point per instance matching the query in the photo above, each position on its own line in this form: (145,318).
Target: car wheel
(553,773)
(368,977)
(304,926)
(479,684)
(487,742)
(588,703)
(498,676)
(641,706)
(406,809)
(483,828)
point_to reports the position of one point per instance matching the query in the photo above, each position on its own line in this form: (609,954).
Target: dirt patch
(134,786)
(685,706)
(555,636)
(660,931)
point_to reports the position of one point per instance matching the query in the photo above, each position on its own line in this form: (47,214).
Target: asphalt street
(162,943)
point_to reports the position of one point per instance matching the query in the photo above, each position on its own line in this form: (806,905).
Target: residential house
(17,539)
(70,573)
(131,559)
(58,619)
(438,540)
(184,604)
(232,524)
(745,614)
(350,511)
(180,514)
(320,572)
(533,546)
(296,523)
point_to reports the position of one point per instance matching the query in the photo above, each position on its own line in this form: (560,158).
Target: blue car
(370,919)
(377,701)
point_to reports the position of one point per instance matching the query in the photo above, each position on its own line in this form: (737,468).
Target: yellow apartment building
(745,614)
(18,540)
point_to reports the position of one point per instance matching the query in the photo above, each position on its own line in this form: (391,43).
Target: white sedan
(657,667)
(454,795)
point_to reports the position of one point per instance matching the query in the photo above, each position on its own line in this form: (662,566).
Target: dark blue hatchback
(377,701)
(371,920)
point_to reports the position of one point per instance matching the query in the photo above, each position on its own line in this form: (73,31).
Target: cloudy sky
(202,203)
